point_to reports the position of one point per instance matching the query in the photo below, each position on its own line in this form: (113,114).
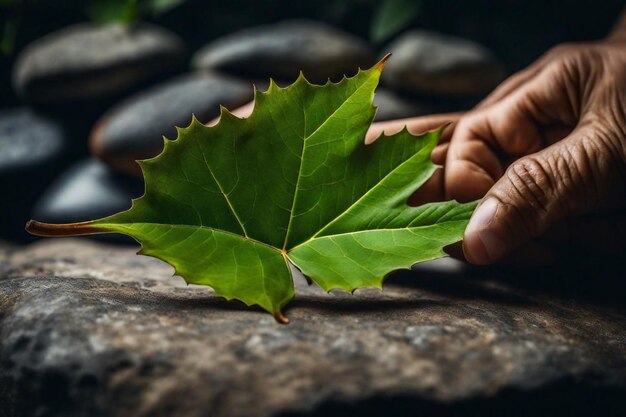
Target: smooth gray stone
(432,63)
(134,129)
(93,329)
(88,190)
(32,151)
(86,61)
(393,106)
(282,50)
(28,140)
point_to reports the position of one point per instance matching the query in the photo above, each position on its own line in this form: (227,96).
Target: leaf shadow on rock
(590,278)
(321,303)
(180,300)
(598,280)
(330,305)
(457,285)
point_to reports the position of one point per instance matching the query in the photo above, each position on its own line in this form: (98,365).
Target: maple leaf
(230,206)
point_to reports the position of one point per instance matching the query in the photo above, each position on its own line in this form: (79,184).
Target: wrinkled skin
(547,145)
(546,151)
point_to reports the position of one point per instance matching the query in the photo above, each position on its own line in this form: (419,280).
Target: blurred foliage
(114,11)
(9,23)
(127,11)
(518,31)
(391,16)
(162,6)
(9,33)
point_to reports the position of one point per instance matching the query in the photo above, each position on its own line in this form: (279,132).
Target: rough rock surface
(89,60)
(435,64)
(90,329)
(283,49)
(134,129)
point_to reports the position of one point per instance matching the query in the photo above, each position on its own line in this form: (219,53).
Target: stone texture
(134,129)
(282,49)
(87,190)
(393,106)
(90,329)
(32,152)
(432,63)
(27,139)
(89,61)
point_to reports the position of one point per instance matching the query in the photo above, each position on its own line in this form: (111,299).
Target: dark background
(516,31)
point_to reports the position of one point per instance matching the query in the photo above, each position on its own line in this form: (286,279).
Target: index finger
(415,125)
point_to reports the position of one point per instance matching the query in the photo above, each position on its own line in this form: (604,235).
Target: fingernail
(478,230)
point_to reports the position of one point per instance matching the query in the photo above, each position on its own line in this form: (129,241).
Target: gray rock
(393,106)
(27,140)
(86,191)
(134,129)
(90,61)
(32,152)
(282,49)
(436,64)
(91,329)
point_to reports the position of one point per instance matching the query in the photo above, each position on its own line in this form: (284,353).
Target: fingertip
(415,125)
(448,131)
(482,245)
(372,134)
(438,155)
(483,248)
(474,250)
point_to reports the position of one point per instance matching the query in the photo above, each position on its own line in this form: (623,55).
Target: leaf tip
(273,86)
(225,114)
(301,78)
(380,65)
(281,318)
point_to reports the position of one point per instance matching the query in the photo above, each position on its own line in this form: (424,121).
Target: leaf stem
(56,230)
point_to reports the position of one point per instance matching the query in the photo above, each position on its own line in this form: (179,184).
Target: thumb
(536,191)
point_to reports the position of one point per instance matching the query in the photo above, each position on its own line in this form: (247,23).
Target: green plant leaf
(112,11)
(231,206)
(391,16)
(10,19)
(157,7)
(128,11)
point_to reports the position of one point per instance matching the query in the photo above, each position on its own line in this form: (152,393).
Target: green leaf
(8,34)
(391,16)
(157,7)
(10,19)
(128,11)
(113,11)
(231,206)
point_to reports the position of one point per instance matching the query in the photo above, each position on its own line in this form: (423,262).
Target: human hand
(548,144)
